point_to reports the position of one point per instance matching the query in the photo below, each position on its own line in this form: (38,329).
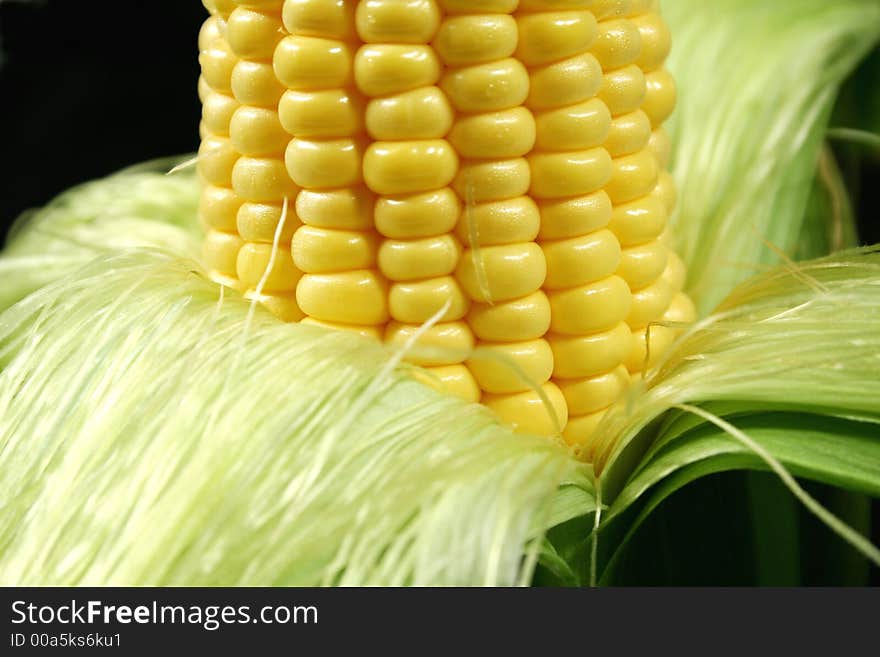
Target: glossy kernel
(570,81)
(447,343)
(220,251)
(478,182)
(409,167)
(323,250)
(350,208)
(419,215)
(306,63)
(352,297)
(639,221)
(218,207)
(321,114)
(332,19)
(548,36)
(579,260)
(429,257)
(403,21)
(495,135)
(254,83)
(503,368)
(508,272)
(633,176)
(656,40)
(499,222)
(487,87)
(618,44)
(422,113)
(414,302)
(574,127)
(629,134)
(253,264)
(324,164)
(589,308)
(256,131)
(525,318)
(565,174)
(660,96)
(527,412)
(258,222)
(649,304)
(643,264)
(579,356)
(253,34)
(571,217)
(592,394)
(623,90)
(262,180)
(217,156)
(385,69)
(476,39)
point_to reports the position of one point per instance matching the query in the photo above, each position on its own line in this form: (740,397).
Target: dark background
(89,87)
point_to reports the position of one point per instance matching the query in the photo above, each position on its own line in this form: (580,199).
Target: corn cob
(497,163)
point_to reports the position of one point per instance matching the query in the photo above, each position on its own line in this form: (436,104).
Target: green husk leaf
(757,83)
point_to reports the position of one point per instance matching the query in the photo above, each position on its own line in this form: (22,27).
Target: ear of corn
(497,166)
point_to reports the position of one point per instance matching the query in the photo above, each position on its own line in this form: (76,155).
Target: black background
(88,87)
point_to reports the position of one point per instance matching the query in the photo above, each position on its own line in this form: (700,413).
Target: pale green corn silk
(152,434)
(757,81)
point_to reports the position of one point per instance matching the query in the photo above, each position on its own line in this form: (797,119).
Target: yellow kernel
(478,181)
(452,380)
(608,9)
(629,134)
(409,167)
(623,90)
(579,260)
(665,190)
(595,393)
(494,135)
(344,209)
(323,250)
(372,332)
(525,318)
(647,346)
(281,304)
(527,412)
(218,207)
(570,173)
(420,215)
(267,6)
(411,21)
(448,343)
(504,368)
(570,81)
(211,29)
(254,83)
(223,7)
(262,180)
(681,309)
(217,63)
(618,44)
(414,302)
(352,297)
(253,34)
(508,272)
(574,216)
(675,273)
(589,308)
(580,431)
(256,131)
(385,69)
(253,263)
(321,114)
(656,40)
(478,6)
(580,356)
(422,113)
(661,146)
(257,222)
(660,96)
(639,221)
(219,251)
(424,258)
(575,127)
(333,19)
(217,156)
(649,304)
(204,89)
(633,176)
(306,63)
(642,265)
(217,111)
(324,164)
(476,39)
(548,36)
(487,87)
(499,222)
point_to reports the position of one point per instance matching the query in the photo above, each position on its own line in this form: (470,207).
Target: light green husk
(153,432)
